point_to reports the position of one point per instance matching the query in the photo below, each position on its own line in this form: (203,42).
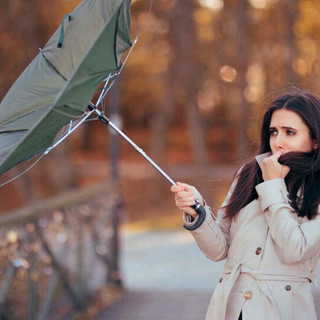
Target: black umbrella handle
(199,209)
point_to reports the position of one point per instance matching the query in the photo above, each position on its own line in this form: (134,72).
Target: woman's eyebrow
(283,127)
(289,128)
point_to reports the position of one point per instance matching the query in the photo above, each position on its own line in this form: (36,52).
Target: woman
(268,228)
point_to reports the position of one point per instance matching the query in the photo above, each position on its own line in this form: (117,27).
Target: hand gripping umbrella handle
(197,207)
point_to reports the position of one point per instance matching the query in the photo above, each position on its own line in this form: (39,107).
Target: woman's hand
(185,195)
(272,169)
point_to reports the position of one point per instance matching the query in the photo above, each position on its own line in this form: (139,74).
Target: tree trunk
(290,14)
(163,119)
(182,83)
(243,147)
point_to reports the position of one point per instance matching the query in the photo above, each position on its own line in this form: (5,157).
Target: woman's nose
(279,142)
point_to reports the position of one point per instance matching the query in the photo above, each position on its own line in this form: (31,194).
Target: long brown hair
(304,172)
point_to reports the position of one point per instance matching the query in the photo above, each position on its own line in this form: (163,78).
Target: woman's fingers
(185,196)
(285,171)
(278,154)
(176,188)
(192,190)
(184,203)
(180,187)
(272,169)
(187,188)
(189,211)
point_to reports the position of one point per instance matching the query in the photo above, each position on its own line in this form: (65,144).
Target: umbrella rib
(70,130)
(69,115)
(147,18)
(103,91)
(23,172)
(106,88)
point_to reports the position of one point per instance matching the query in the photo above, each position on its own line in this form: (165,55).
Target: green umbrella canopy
(59,83)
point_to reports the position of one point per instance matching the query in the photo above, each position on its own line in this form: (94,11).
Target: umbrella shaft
(107,121)
(197,207)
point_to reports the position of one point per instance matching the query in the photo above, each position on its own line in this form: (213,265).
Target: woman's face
(288,132)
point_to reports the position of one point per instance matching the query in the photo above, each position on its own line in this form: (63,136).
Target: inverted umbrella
(56,88)
(59,82)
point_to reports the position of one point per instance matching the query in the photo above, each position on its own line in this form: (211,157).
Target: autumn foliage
(192,91)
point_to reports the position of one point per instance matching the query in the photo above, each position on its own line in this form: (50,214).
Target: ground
(166,277)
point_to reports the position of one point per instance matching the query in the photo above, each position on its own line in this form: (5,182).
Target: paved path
(167,278)
(167,261)
(150,305)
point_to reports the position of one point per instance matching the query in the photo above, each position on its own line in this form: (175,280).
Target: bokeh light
(255,78)
(228,73)
(215,5)
(259,4)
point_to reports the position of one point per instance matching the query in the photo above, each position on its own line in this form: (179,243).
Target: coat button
(288,287)
(258,251)
(220,280)
(248,295)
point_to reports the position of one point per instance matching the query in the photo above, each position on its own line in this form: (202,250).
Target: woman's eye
(290,133)
(273,132)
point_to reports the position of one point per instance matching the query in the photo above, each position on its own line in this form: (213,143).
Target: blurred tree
(182,83)
(290,10)
(163,119)
(243,48)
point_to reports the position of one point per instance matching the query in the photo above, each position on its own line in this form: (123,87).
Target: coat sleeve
(213,235)
(297,241)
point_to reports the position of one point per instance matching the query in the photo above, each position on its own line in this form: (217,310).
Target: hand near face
(185,195)
(272,169)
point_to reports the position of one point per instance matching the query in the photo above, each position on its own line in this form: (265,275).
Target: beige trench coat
(271,255)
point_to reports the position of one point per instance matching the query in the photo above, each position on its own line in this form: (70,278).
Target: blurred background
(191,95)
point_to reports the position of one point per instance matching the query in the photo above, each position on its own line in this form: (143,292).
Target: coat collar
(261,157)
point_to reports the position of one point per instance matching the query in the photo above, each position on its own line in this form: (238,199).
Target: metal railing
(66,246)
